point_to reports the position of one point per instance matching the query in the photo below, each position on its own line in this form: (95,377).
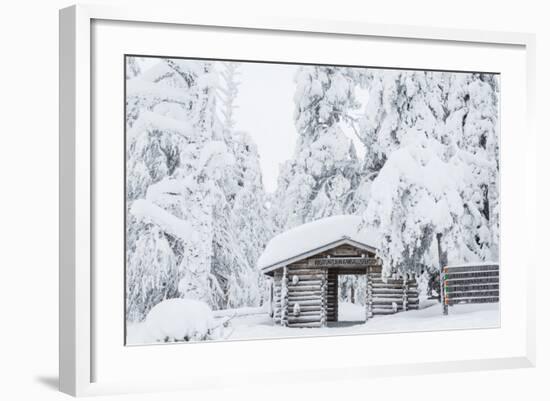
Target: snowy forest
(413,153)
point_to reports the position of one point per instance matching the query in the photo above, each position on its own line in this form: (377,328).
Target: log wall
(392,295)
(306,297)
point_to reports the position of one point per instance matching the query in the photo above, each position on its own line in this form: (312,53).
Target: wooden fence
(471,283)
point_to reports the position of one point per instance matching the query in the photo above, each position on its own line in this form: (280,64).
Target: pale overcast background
(266,111)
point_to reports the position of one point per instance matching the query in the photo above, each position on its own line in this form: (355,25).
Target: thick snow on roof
(317,234)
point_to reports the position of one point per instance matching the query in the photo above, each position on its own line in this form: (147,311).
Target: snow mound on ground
(316,234)
(180,320)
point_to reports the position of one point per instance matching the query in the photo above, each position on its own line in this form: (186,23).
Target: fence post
(405,290)
(442,263)
(369,295)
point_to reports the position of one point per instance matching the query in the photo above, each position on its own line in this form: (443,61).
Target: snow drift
(180,320)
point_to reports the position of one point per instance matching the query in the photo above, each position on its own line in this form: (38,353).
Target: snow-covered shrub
(181,320)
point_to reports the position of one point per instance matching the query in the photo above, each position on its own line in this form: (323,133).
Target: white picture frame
(77,368)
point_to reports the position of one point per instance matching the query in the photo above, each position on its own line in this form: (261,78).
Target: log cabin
(305,262)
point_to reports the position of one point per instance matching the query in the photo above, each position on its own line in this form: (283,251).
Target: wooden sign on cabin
(305,263)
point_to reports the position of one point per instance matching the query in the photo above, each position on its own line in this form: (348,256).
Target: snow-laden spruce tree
(250,221)
(473,130)
(414,196)
(175,157)
(242,224)
(432,166)
(319,180)
(157,128)
(397,101)
(192,184)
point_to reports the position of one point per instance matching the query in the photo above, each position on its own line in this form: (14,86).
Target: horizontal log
(305,303)
(304,287)
(307,308)
(309,312)
(304,319)
(306,283)
(306,277)
(305,325)
(304,293)
(301,299)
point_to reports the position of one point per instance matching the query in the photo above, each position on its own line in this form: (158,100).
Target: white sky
(266,112)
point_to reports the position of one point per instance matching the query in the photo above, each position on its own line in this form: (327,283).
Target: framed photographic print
(246,191)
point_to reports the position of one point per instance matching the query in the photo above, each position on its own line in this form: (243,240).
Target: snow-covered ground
(348,312)
(253,323)
(426,319)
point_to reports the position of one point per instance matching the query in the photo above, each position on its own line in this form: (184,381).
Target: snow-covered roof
(315,237)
